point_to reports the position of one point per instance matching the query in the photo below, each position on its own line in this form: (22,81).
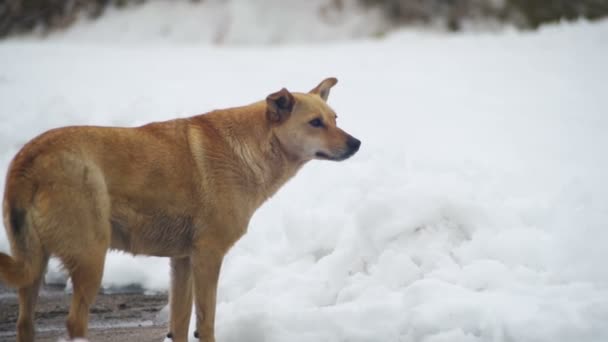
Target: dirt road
(128,315)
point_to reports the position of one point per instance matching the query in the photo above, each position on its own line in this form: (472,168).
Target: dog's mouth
(352,146)
(347,154)
(323,155)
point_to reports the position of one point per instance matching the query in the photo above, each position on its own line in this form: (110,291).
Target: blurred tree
(25,15)
(537,12)
(523,13)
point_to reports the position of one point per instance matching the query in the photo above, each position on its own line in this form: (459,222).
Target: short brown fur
(183,189)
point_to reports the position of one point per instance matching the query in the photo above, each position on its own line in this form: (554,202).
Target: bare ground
(128,315)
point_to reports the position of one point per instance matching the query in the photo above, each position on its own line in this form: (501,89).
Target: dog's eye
(316,122)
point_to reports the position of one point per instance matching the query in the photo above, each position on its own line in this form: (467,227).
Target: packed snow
(476,209)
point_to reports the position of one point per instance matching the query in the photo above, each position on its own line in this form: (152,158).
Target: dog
(184,189)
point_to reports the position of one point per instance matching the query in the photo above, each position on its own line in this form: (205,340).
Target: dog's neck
(267,166)
(258,165)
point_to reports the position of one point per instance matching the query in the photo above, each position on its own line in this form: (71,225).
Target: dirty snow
(476,210)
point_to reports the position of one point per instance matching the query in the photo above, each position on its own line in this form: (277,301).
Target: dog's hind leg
(28,296)
(180,298)
(86,273)
(72,215)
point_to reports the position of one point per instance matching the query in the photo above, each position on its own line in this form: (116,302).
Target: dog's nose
(353,143)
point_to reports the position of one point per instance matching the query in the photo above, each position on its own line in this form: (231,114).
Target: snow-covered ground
(476,210)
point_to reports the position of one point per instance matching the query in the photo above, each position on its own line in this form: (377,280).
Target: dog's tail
(26,263)
(15,273)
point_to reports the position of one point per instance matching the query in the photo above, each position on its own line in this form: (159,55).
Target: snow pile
(476,209)
(228,22)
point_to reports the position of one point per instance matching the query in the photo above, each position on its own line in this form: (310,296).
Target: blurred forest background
(44,16)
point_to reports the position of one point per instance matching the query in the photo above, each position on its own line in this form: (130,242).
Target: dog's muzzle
(352,146)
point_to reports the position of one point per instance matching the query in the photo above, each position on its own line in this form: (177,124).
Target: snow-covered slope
(476,210)
(238,22)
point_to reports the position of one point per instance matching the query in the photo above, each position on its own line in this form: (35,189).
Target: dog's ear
(279,105)
(323,88)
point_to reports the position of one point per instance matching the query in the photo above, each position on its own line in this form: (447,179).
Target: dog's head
(306,126)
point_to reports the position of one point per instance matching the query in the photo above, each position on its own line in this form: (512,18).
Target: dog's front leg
(180,299)
(206,264)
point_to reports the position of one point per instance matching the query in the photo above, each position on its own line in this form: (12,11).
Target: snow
(238,22)
(476,209)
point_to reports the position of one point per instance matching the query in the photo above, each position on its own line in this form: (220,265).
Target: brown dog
(184,189)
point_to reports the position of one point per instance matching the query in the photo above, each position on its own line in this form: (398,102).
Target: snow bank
(476,209)
(228,22)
